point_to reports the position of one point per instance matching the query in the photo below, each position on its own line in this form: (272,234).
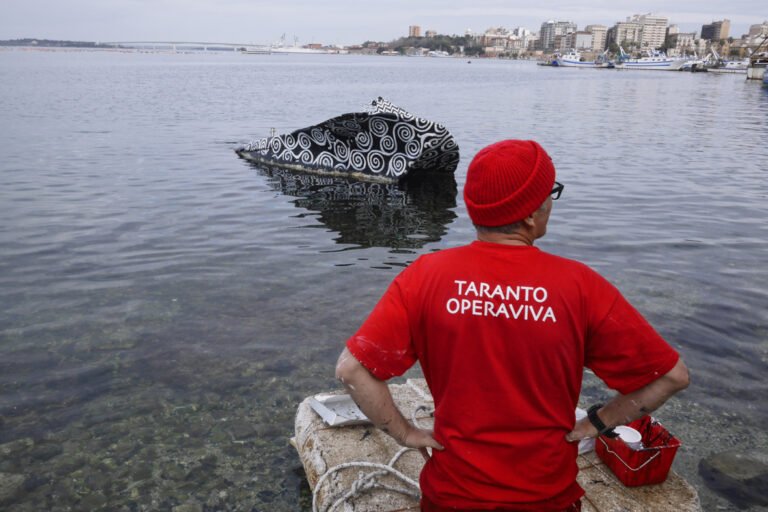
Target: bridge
(175,45)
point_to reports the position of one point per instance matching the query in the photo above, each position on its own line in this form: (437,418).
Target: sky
(335,21)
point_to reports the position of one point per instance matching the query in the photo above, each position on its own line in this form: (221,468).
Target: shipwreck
(385,144)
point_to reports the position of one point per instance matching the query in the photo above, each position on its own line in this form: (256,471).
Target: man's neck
(516,238)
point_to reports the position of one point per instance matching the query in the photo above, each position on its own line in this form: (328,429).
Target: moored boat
(574,59)
(757,65)
(654,60)
(282,47)
(758,62)
(694,63)
(728,66)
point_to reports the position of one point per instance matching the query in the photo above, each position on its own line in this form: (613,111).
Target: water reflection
(405,215)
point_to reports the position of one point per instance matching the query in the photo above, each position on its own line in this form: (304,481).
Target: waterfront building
(416,52)
(716,30)
(561,42)
(527,38)
(681,44)
(414,31)
(701,46)
(757,32)
(625,34)
(530,42)
(581,40)
(551,30)
(653,29)
(521,32)
(515,43)
(598,36)
(495,40)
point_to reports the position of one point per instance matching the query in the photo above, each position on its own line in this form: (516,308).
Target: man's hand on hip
(420,438)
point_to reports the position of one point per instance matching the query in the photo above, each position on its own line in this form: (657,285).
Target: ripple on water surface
(167,305)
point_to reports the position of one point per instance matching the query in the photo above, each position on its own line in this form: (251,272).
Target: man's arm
(374,399)
(624,409)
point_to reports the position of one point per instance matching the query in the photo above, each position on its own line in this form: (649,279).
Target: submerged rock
(190,506)
(741,478)
(11,487)
(386,144)
(14,448)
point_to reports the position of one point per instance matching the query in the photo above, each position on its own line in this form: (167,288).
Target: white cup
(630,436)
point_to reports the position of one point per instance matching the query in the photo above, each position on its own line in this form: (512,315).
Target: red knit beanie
(507,181)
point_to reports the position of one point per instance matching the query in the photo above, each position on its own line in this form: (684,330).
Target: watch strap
(594,419)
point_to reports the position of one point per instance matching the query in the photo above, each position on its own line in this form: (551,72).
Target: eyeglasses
(556,191)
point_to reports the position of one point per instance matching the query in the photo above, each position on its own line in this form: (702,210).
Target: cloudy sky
(333,21)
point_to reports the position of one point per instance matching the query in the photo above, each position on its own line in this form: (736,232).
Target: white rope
(368,481)
(365,482)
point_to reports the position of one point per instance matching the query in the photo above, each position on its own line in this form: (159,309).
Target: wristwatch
(594,419)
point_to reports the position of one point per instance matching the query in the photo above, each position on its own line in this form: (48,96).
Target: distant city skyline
(336,22)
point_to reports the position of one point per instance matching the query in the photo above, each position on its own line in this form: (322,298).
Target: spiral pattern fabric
(385,142)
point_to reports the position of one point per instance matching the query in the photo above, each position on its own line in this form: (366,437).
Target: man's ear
(528,222)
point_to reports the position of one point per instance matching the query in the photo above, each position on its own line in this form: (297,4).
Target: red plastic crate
(640,467)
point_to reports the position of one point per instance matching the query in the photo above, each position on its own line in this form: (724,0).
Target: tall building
(552,30)
(756,32)
(625,33)
(681,43)
(521,32)
(578,41)
(414,31)
(654,29)
(430,33)
(495,40)
(531,42)
(598,36)
(716,30)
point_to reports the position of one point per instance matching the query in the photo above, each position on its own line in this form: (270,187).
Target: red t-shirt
(503,334)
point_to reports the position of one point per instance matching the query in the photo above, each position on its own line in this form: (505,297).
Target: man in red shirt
(503,332)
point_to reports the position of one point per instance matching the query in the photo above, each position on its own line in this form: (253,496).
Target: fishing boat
(384,144)
(551,61)
(654,60)
(574,59)
(728,66)
(695,63)
(758,61)
(740,65)
(757,64)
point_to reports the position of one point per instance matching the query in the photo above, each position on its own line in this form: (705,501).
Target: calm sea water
(165,306)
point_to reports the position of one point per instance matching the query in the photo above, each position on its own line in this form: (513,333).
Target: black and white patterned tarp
(385,142)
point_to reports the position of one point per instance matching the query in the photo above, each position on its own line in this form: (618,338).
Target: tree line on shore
(54,43)
(441,42)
